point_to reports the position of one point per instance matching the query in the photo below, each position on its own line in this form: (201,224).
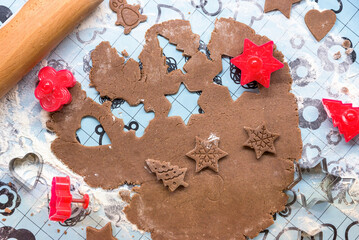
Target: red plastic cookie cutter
(61,199)
(52,90)
(257,63)
(344,116)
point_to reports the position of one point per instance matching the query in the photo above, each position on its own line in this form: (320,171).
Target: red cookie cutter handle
(61,199)
(85,201)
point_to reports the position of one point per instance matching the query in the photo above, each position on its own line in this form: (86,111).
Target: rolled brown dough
(237,201)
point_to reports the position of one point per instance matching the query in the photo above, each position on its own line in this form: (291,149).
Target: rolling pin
(33,32)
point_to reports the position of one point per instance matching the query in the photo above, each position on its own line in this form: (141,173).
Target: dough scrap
(253,188)
(125,53)
(337,55)
(346,44)
(125,195)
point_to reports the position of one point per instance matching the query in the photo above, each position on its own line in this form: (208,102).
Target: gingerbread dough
(128,15)
(284,6)
(260,139)
(346,44)
(206,154)
(104,233)
(237,201)
(125,195)
(320,23)
(172,176)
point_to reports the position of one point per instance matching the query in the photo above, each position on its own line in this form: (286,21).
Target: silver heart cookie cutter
(32,158)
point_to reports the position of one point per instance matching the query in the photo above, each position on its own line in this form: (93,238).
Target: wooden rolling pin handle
(33,32)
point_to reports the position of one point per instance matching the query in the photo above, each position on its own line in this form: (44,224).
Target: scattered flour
(309,224)
(20,115)
(22,122)
(300,101)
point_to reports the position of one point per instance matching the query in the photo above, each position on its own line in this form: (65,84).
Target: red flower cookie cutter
(52,90)
(61,199)
(344,116)
(257,63)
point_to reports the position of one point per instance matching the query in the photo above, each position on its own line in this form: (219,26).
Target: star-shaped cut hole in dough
(261,140)
(206,154)
(284,6)
(104,233)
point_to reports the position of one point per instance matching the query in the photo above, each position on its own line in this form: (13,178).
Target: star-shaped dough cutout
(257,63)
(104,233)
(284,6)
(261,140)
(206,154)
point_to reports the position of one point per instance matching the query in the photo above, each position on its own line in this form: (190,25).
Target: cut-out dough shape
(320,23)
(206,154)
(284,6)
(261,140)
(128,15)
(171,175)
(104,233)
(210,195)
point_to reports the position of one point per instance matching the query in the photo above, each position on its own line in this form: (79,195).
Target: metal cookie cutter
(302,234)
(30,159)
(326,184)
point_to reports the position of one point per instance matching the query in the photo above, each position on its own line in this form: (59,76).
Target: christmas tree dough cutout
(171,175)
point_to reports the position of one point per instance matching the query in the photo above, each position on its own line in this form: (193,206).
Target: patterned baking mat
(315,73)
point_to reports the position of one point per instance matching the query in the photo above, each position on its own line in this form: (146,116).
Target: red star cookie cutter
(61,199)
(52,90)
(344,116)
(257,63)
